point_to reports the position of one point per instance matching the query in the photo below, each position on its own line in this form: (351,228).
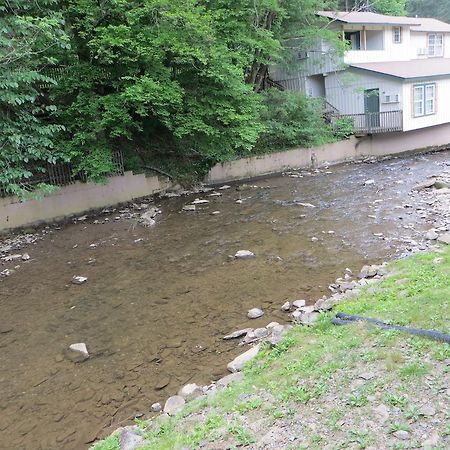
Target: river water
(158,300)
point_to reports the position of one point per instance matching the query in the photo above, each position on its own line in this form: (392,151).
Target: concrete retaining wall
(77,198)
(375,145)
(81,197)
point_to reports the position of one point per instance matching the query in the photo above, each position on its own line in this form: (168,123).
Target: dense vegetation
(177,85)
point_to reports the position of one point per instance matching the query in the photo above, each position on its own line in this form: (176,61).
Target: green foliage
(343,128)
(175,85)
(291,119)
(30,34)
(439,9)
(390,7)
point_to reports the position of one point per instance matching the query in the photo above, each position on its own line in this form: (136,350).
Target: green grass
(301,371)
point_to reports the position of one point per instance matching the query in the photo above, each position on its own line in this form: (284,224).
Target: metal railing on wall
(375,122)
(62,173)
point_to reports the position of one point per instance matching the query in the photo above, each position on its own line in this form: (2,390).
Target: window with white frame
(435,44)
(397,35)
(424,99)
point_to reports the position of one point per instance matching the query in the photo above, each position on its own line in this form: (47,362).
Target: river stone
(162,381)
(25,257)
(444,238)
(368,271)
(199,201)
(299,303)
(228,379)
(427,410)
(190,391)
(189,208)
(272,325)
(440,185)
(237,334)
(324,304)
(401,434)
(244,254)
(431,235)
(156,407)
(306,318)
(425,184)
(261,333)
(78,279)
(174,405)
(254,313)
(286,306)
(130,440)
(77,352)
(239,362)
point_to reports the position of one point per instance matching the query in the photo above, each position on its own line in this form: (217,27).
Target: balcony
(375,122)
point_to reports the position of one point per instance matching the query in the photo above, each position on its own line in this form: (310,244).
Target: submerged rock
(189,208)
(239,362)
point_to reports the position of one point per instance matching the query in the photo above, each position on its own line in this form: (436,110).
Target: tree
(389,7)
(439,9)
(30,33)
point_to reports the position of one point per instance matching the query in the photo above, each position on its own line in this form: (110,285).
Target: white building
(395,77)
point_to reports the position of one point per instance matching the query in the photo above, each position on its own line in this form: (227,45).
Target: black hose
(344,319)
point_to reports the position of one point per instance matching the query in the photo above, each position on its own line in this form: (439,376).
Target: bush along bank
(332,387)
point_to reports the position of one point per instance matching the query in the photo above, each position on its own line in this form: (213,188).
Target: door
(372,107)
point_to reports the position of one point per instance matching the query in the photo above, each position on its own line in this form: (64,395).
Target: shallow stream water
(159,300)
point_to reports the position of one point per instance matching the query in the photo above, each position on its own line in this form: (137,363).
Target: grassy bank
(330,387)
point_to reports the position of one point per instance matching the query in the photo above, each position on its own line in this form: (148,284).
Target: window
(397,35)
(435,44)
(424,99)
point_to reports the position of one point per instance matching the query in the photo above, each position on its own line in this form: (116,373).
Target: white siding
(419,40)
(442,105)
(345,91)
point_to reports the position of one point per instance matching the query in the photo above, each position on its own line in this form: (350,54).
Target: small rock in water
(156,407)
(244,254)
(254,313)
(78,279)
(189,208)
(225,186)
(237,334)
(214,213)
(286,306)
(174,405)
(25,257)
(238,201)
(199,201)
(261,333)
(77,352)
(299,303)
(369,182)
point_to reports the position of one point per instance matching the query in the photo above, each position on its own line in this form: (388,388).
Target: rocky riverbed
(158,299)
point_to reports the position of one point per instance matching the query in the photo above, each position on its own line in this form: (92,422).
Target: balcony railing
(375,122)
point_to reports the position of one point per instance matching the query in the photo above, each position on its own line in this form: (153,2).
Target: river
(159,300)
